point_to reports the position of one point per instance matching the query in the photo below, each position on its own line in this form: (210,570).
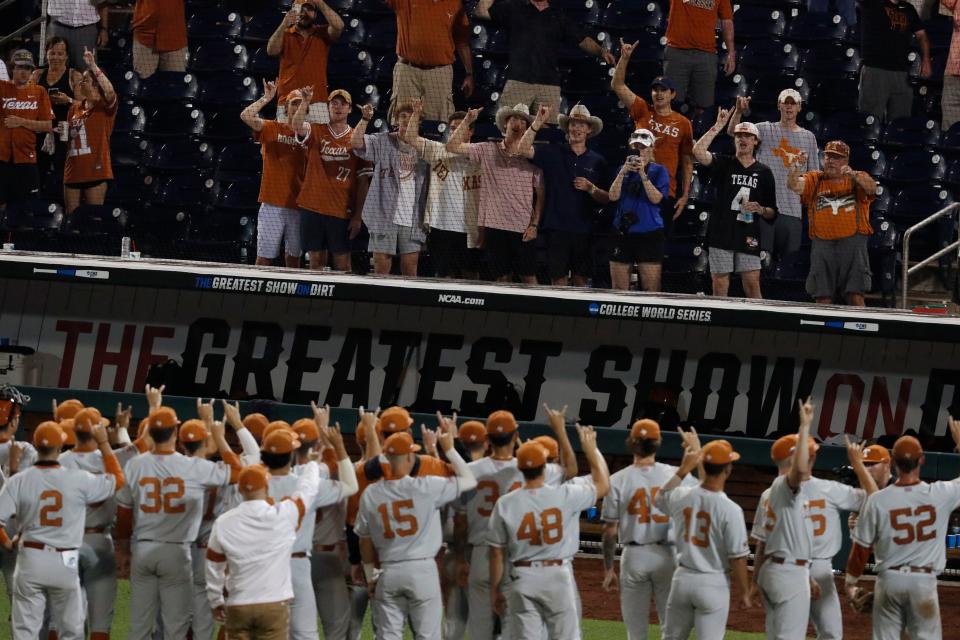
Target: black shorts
(568,252)
(632,248)
(450,255)
(18,182)
(507,253)
(85,185)
(319,232)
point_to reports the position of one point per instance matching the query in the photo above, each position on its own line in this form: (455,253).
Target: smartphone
(54,90)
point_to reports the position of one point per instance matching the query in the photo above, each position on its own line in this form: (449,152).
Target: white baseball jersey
(328,492)
(99,515)
(630,502)
(402,517)
(906,525)
(166,493)
(792,534)
(763,518)
(710,528)
(28,456)
(50,502)
(553,475)
(453,199)
(330,524)
(257,538)
(495,478)
(541,524)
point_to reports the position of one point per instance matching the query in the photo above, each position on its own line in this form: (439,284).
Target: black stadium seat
(224,125)
(218,55)
(830,60)
(174,121)
(227,89)
(261,26)
(214,23)
(852,127)
(911,132)
(751,22)
(768,56)
(168,87)
(869,159)
(915,166)
(238,161)
(631,16)
(179,156)
(131,120)
(263,65)
(816,27)
(128,151)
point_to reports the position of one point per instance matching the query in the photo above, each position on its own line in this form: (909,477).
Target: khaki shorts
(146,61)
(532,95)
(318,113)
(270,621)
(434,86)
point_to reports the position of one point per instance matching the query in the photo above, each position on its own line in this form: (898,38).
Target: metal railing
(41,22)
(907,269)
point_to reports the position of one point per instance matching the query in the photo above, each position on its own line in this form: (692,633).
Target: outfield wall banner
(95,336)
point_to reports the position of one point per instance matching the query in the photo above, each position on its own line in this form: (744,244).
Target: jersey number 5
(50,511)
(641,506)
(910,532)
(549,532)
(161,495)
(406,522)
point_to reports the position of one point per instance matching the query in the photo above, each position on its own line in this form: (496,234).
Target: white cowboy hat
(505,113)
(581,113)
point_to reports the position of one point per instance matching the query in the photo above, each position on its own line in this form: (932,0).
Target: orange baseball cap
(400,444)
(193,431)
(472,432)
(254,478)
(86,419)
(280,441)
(67,409)
(907,448)
(276,425)
(875,453)
(255,424)
(501,422)
(785,446)
(48,434)
(393,420)
(68,431)
(163,418)
(645,429)
(306,429)
(531,455)
(551,445)
(719,452)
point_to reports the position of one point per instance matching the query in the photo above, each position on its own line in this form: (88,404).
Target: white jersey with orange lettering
(763,518)
(28,455)
(50,502)
(554,475)
(402,519)
(710,532)
(539,531)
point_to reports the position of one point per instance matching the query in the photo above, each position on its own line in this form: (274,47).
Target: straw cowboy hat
(505,113)
(581,113)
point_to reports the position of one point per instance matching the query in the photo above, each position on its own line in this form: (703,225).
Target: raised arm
(110,463)
(357,140)
(795,179)
(855,455)
(334,21)
(109,95)
(558,424)
(275,43)
(219,434)
(251,115)
(456,143)
(525,146)
(692,456)
(598,466)
(466,481)
(298,120)
(231,415)
(801,455)
(701,150)
(741,107)
(619,81)
(594,48)
(412,133)
(372,448)
(345,469)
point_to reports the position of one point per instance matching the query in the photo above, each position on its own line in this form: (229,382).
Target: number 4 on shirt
(550,531)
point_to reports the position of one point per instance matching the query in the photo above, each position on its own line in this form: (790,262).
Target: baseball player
(329,570)
(630,518)
(827,498)
(537,530)
(399,529)
(49,502)
(162,508)
(711,539)
(905,524)
(14,456)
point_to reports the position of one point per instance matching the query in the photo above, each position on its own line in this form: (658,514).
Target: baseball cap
(67,409)
(789,93)
(785,446)
(86,419)
(400,444)
(254,478)
(719,452)
(22,58)
(747,127)
(394,419)
(280,441)
(645,429)
(875,453)
(48,434)
(642,137)
(472,431)
(193,431)
(531,455)
(69,432)
(501,421)
(907,448)
(306,429)
(837,148)
(663,81)
(276,425)
(551,445)
(343,94)
(162,418)
(255,424)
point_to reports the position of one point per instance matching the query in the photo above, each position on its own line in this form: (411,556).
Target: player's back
(630,503)
(28,456)
(827,499)
(791,537)
(99,515)
(710,529)
(906,525)
(495,478)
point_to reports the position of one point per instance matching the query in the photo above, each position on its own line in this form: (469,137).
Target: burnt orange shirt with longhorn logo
(31,102)
(838,208)
(331,181)
(88,150)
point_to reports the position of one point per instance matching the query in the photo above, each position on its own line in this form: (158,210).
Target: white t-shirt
(453,198)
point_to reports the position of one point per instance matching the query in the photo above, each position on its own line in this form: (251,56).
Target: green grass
(592,629)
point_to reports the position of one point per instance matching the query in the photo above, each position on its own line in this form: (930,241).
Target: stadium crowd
(522,208)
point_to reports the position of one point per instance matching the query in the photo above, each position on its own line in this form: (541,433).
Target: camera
(633,159)
(627,220)
(635,189)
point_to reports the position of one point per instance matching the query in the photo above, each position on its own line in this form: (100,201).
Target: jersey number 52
(920,531)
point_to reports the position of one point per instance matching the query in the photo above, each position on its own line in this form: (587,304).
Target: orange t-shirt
(693,23)
(428,31)
(284,165)
(88,152)
(331,181)
(304,62)
(19,145)
(674,137)
(837,208)
(160,25)
(429,466)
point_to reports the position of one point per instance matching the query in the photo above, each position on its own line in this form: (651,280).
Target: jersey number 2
(910,532)
(50,511)
(549,532)
(160,495)
(406,522)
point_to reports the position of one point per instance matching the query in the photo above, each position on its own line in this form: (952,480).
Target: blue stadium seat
(213,23)
(912,204)
(168,87)
(787,278)
(131,119)
(766,89)
(632,16)
(224,126)
(129,151)
(589,76)
(816,27)
(830,60)
(174,121)
(227,89)
(768,56)
(915,166)
(728,88)
(126,84)
(835,94)
(217,55)
(751,22)
(381,35)
(263,65)
(179,156)
(869,159)
(852,127)
(239,195)
(261,26)
(239,161)
(910,132)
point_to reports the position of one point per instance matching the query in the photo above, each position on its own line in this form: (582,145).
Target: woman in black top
(58,79)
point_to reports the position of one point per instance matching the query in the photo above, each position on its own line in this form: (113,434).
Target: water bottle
(125,247)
